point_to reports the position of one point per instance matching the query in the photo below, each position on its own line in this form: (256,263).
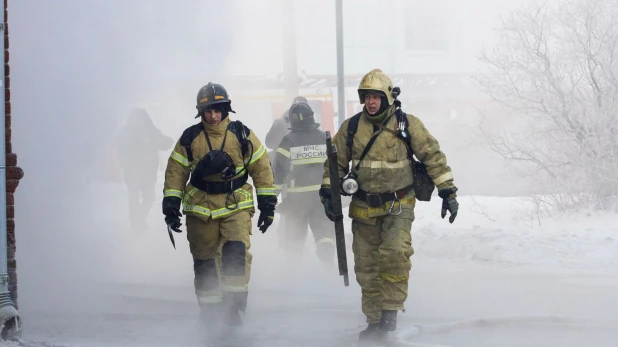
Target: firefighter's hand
(266,219)
(449,203)
(326,198)
(171,210)
(172,218)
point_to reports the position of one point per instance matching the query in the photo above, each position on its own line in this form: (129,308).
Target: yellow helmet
(376,80)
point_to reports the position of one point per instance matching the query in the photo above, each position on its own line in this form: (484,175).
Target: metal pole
(340,75)
(290,69)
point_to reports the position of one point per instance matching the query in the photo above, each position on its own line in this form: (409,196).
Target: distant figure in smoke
(138,144)
(299,166)
(279,129)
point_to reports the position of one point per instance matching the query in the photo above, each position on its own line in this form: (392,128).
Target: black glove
(266,219)
(171,210)
(327,201)
(449,203)
(266,205)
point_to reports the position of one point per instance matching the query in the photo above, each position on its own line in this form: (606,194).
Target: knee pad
(206,278)
(233,258)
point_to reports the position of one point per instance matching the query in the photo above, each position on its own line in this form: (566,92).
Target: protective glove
(327,201)
(171,210)
(266,205)
(449,203)
(266,219)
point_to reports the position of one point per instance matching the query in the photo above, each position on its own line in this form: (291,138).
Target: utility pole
(340,75)
(290,67)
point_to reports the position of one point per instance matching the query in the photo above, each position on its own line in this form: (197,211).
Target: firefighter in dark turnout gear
(218,155)
(299,166)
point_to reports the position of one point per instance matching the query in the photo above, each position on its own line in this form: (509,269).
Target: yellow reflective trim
(208,297)
(196,209)
(172,192)
(320,160)
(256,155)
(284,152)
(226,211)
(180,158)
(448,176)
(265,191)
(394,278)
(304,189)
(235,289)
(381,164)
(326,181)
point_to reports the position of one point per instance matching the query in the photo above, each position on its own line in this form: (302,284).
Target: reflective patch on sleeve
(283,152)
(443,178)
(172,192)
(265,191)
(180,158)
(326,182)
(256,155)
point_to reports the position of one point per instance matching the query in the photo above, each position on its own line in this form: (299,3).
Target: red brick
(7,69)
(10,224)
(10,199)
(6,56)
(7,94)
(10,212)
(7,81)
(10,252)
(8,146)
(14,172)
(7,134)
(7,109)
(10,239)
(11,160)
(11,185)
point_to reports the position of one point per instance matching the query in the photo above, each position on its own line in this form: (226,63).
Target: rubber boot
(233,304)
(372,333)
(210,319)
(388,321)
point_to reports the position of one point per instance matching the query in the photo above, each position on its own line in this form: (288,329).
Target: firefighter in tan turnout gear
(218,155)
(380,142)
(299,166)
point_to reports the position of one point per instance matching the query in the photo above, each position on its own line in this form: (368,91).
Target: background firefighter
(138,144)
(382,210)
(298,165)
(219,155)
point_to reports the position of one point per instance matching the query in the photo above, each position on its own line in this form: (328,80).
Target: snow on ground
(553,284)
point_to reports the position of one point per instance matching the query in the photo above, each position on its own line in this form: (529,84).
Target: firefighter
(379,145)
(219,154)
(298,165)
(278,130)
(281,126)
(137,145)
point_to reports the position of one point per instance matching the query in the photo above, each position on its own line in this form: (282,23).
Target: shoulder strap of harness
(188,136)
(239,129)
(352,127)
(242,134)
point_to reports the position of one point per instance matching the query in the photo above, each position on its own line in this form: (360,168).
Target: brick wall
(13,172)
